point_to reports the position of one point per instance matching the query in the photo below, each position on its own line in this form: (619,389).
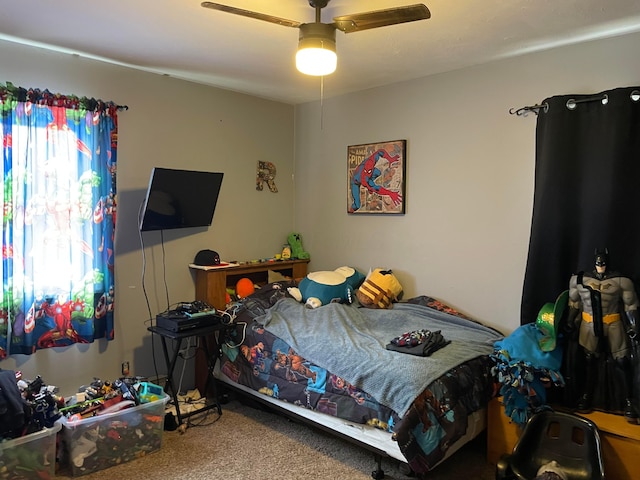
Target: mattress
(445,415)
(374,439)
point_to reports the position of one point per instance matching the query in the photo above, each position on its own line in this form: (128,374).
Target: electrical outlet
(125,369)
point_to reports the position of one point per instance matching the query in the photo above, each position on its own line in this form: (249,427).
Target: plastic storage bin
(110,439)
(30,457)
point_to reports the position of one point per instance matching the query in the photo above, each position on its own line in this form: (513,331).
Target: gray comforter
(349,341)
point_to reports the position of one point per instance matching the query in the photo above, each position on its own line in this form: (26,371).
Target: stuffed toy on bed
(379,290)
(324,287)
(354,277)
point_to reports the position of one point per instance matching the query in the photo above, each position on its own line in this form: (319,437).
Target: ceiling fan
(317,41)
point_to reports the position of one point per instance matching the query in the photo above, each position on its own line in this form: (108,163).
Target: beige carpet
(249,443)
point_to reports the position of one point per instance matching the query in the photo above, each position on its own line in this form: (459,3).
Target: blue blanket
(523,345)
(349,341)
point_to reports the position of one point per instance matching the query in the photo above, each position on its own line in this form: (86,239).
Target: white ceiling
(184,40)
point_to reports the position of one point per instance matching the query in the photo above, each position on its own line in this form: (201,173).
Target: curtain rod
(571,104)
(45,97)
(524,111)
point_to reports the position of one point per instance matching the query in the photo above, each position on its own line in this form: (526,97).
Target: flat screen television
(180,199)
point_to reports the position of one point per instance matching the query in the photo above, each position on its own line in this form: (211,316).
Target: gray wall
(470,173)
(176,124)
(469,195)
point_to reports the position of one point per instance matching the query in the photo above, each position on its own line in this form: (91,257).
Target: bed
(330,367)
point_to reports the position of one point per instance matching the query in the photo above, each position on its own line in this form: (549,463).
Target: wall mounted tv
(180,199)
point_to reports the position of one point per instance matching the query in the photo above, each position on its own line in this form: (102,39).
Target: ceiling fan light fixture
(316,61)
(316,53)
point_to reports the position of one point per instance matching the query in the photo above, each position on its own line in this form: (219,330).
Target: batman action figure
(604,306)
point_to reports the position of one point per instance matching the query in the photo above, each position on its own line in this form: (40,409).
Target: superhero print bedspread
(261,361)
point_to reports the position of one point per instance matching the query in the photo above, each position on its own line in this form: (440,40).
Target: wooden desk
(620,440)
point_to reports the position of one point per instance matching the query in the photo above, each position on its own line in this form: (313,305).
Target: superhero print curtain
(59,212)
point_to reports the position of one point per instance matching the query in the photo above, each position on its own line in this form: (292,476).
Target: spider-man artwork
(376,178)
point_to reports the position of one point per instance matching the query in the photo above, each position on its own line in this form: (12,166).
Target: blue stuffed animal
(354,277)
(323,287)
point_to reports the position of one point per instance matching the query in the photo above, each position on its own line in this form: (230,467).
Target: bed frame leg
(379,473)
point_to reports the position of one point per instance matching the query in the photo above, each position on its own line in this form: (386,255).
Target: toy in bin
(31,456)
(108,439)
(150,392)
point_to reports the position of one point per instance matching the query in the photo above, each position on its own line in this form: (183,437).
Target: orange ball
(244,287)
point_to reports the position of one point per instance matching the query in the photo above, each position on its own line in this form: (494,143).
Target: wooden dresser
(211,287)
(620,440)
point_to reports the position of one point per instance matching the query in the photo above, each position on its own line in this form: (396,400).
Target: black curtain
(587,192)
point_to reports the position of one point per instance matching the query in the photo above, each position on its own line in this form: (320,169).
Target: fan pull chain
(322,102)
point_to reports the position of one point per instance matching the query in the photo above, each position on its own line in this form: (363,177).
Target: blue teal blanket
(521,367)
(349,341)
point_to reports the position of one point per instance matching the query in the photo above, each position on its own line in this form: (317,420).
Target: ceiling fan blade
(381,18)
(248,13)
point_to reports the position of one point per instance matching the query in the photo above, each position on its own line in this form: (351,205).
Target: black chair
(570,440)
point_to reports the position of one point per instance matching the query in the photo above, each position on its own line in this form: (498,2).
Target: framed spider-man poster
(376,178)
